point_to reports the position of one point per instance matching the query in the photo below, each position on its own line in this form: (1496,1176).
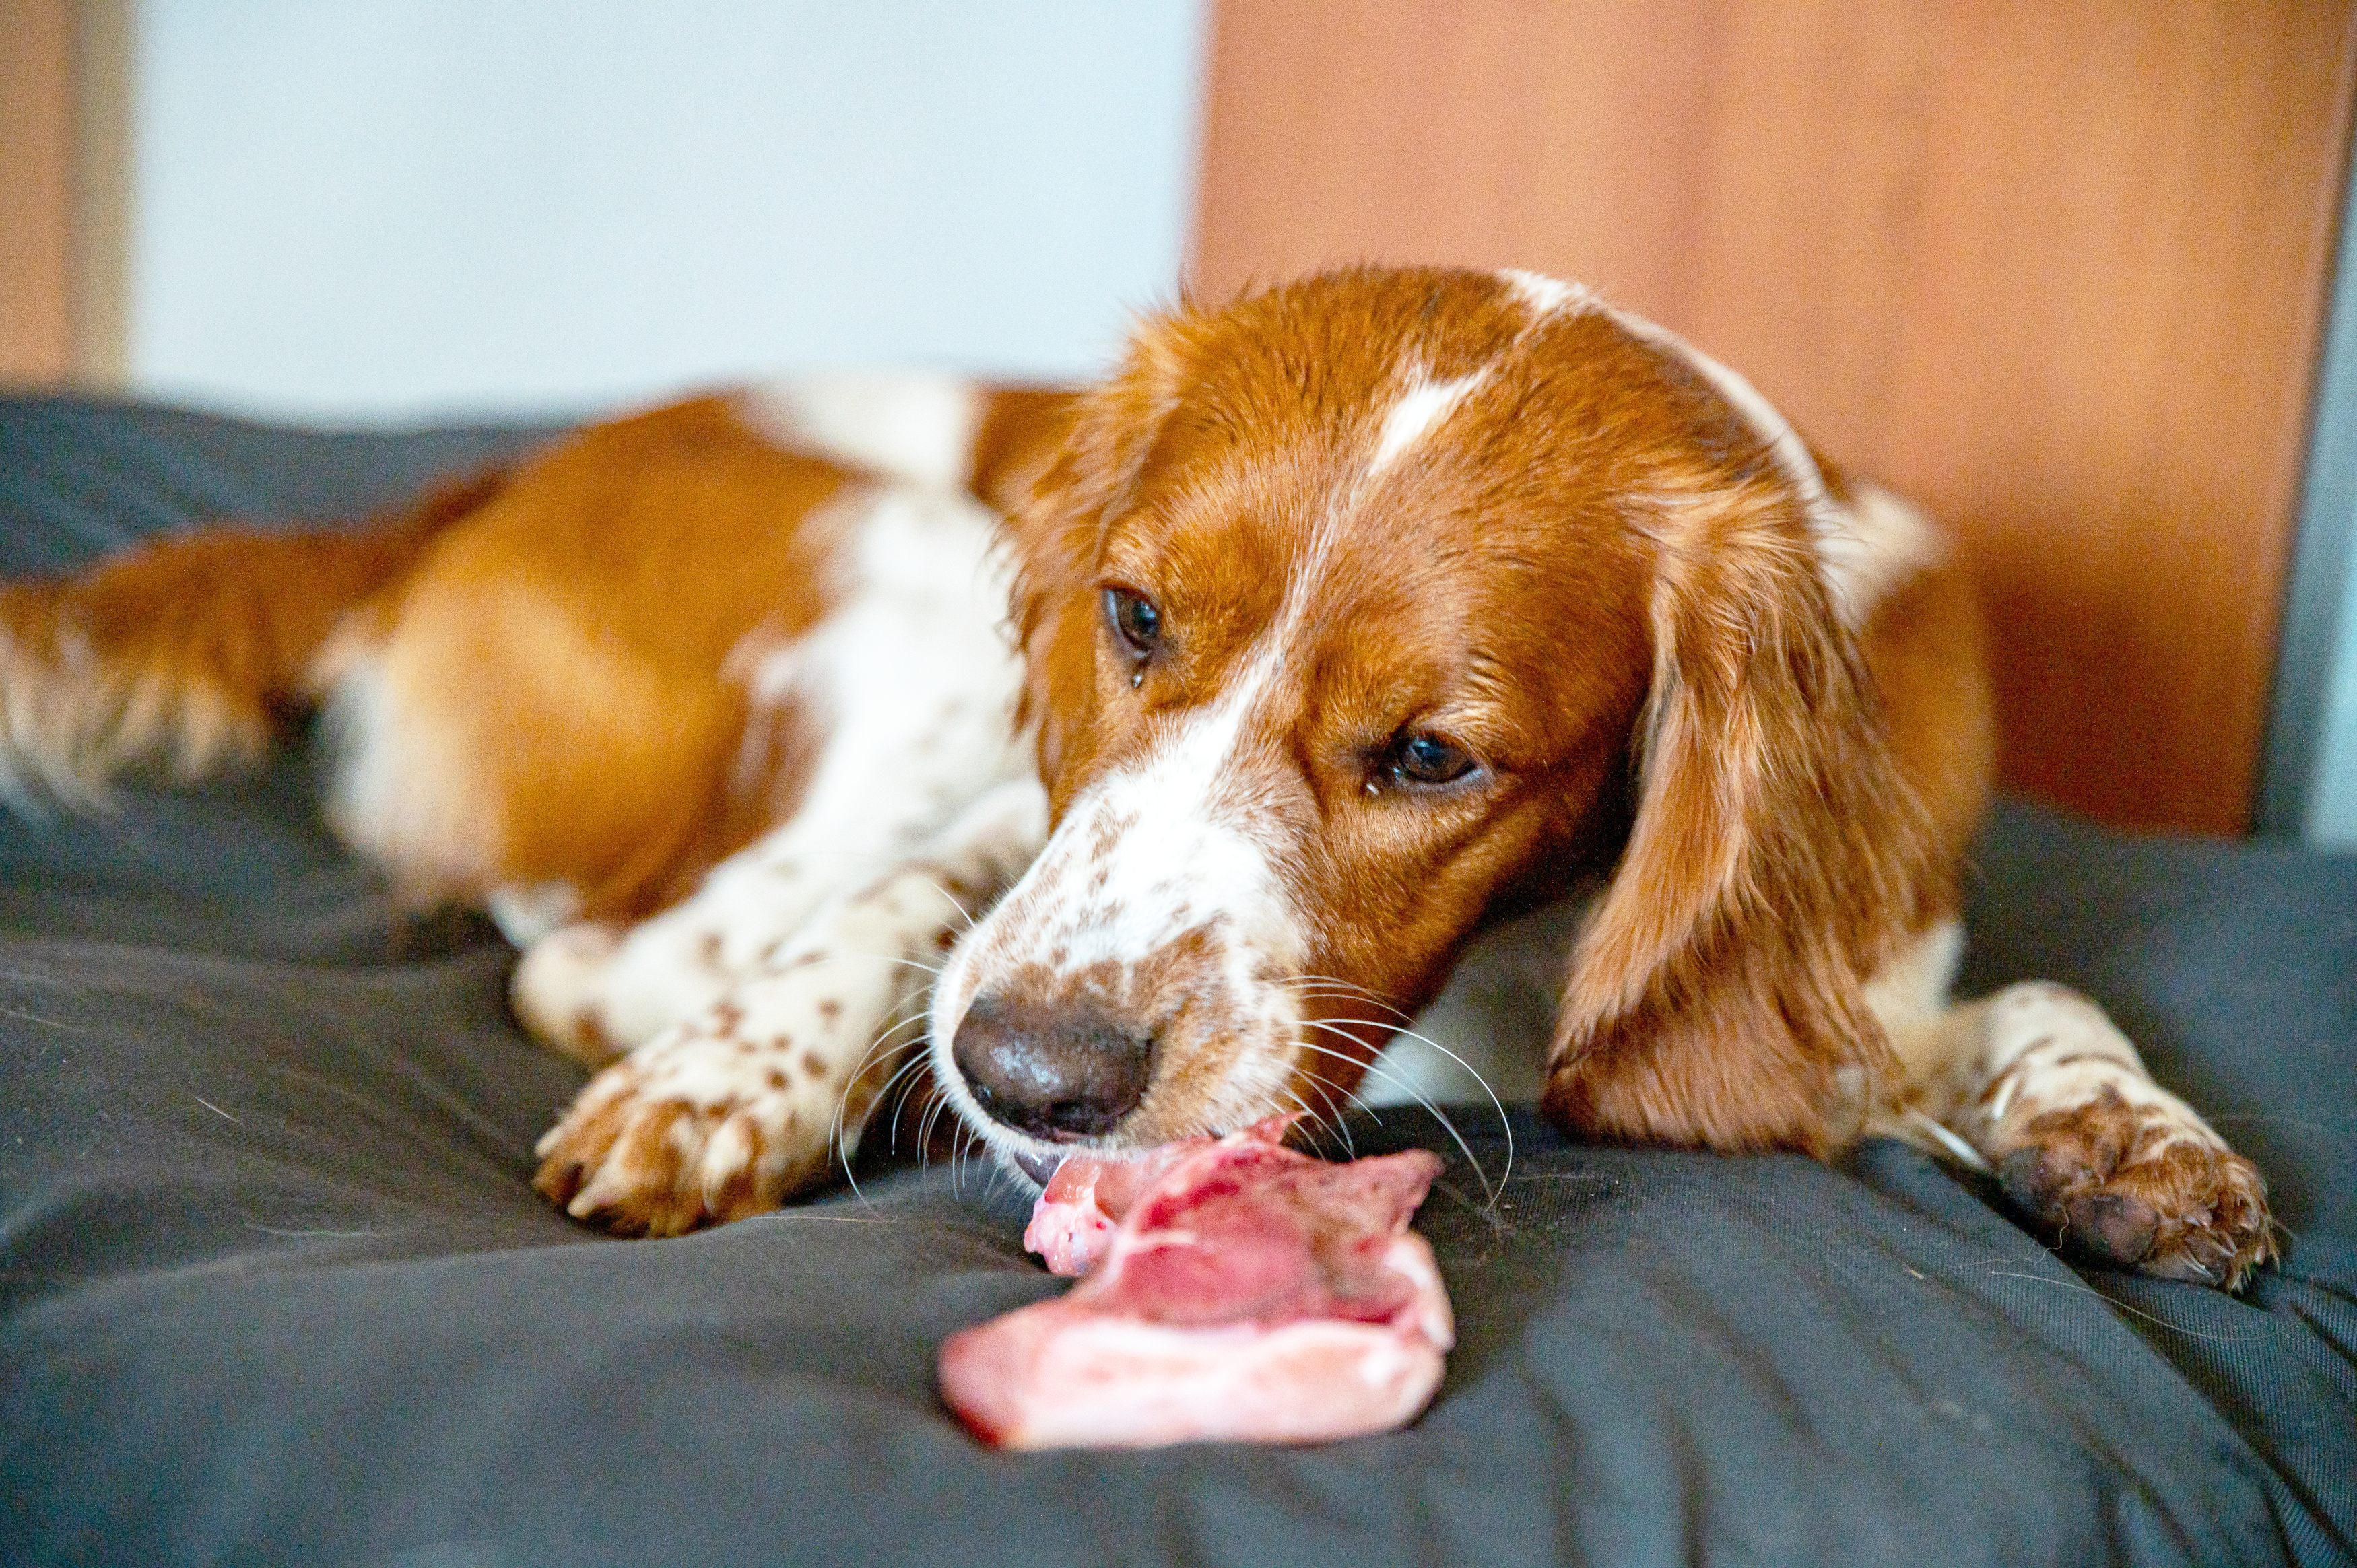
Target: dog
(1158,747)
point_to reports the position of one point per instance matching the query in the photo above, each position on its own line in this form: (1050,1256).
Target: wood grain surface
(36,150)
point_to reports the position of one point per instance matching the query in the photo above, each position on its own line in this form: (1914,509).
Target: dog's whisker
(840,1133)
(879,1049)
(923,1112)
(1381,1073)
(963,1142)
(1504,1122)
(1321,1123)
(910,1074)
(954,901)
(1349,988)
(933,1115)
(819,958)
(883,1045)
(1490,1190)
(932,969)
(1328,993)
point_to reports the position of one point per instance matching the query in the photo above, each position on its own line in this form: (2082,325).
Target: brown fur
(1785,842)
(557,641)
(570,645)
(2121,1184)
(1779,857)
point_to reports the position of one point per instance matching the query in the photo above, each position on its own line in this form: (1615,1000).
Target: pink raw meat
(1073,1223)
(1248,1293)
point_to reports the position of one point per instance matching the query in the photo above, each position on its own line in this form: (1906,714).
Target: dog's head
(1361,607)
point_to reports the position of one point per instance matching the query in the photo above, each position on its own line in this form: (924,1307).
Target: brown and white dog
(1346,621)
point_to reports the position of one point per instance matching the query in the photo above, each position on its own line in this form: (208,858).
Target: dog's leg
(2037,1084)
(594,990)
(904,697)
(736,1110)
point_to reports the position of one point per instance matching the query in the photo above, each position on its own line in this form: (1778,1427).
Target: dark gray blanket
(276,1290)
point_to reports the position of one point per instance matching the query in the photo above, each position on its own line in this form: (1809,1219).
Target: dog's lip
(1041,1169)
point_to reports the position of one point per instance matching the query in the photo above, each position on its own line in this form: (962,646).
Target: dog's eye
(1418,757)
(1136,622)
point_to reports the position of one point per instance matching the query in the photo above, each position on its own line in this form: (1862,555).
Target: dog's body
(1348,619)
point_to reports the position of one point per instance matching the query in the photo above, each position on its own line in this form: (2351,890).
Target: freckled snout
(1069,1070)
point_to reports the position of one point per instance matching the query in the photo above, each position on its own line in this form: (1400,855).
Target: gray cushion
(276,1290)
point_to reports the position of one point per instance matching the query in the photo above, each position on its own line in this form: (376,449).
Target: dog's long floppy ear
(1778,855)
(1057,526)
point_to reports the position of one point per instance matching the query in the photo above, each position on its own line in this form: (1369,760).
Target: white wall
(373,209)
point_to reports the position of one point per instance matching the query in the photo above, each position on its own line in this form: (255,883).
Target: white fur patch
(1983,1071)
(1543,296)
(916,426)
(1144,856)
(911,682)
(42,748)
(1424,405)
(525,915)
(398,790)
(70,720)
(2049,1048)
(1910,992)
(1883,542)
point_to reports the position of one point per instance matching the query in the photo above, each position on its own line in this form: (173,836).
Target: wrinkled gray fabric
(275,1289)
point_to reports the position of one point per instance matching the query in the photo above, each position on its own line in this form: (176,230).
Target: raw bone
(1248,1293)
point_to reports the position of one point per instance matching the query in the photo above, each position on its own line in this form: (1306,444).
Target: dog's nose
(1069,1069)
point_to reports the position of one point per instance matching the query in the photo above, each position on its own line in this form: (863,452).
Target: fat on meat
(1246,1293)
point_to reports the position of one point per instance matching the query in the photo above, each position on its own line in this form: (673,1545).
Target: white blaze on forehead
(1422,406)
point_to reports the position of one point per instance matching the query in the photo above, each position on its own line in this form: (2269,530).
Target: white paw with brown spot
(699,1127)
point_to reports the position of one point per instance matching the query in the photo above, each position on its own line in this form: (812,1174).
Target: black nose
(1065,1069)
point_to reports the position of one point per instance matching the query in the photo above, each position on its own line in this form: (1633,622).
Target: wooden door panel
(2056,271)
(36,175)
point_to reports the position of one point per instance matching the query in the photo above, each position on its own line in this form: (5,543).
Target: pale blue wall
(2332,806)
(2309,786)
(365,209)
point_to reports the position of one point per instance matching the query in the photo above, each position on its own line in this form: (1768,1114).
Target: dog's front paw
(689,1130)
(2136,1187)
(554,992)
